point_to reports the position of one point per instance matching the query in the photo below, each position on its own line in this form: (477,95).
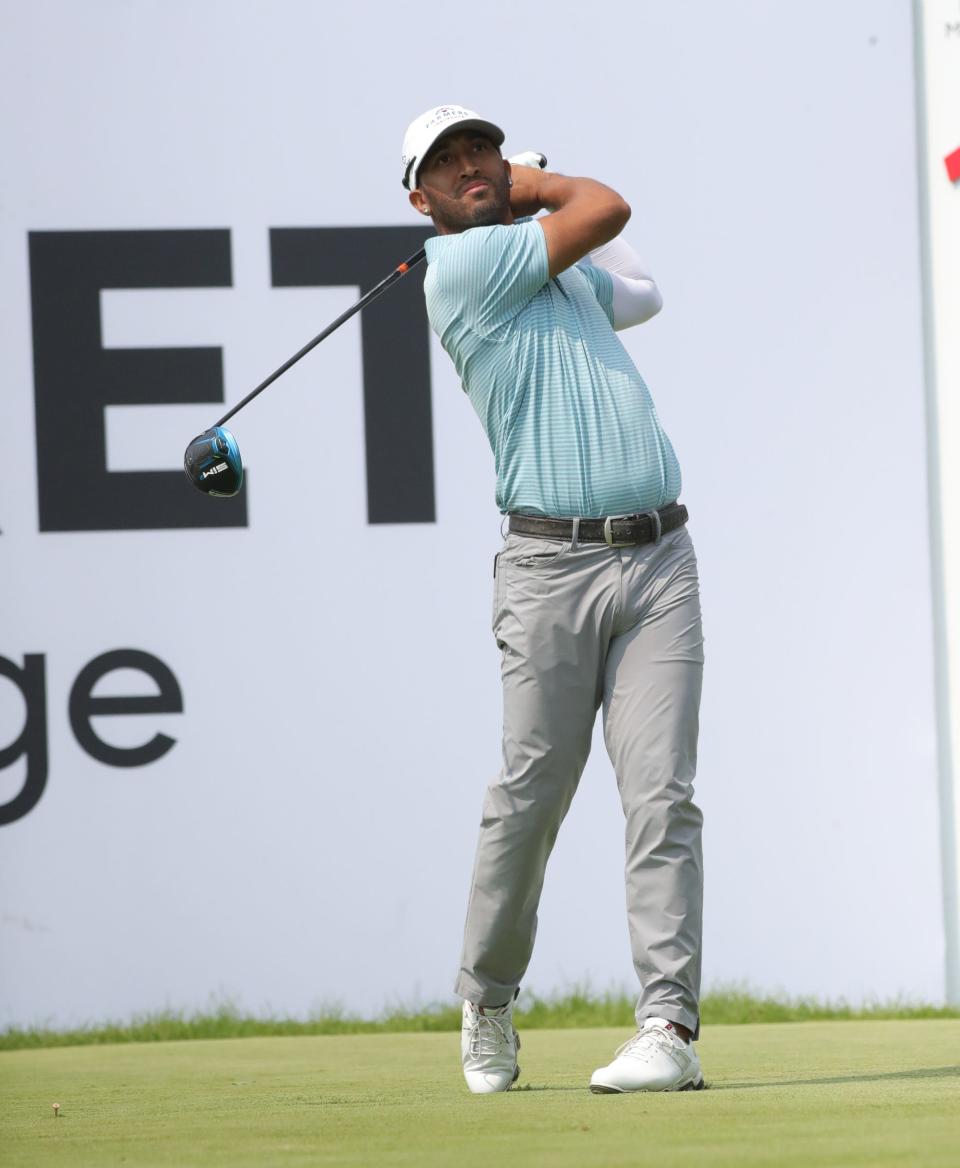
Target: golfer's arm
(584,214)
(636,297)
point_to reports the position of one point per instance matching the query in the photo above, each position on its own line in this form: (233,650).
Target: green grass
(579,1008)
(816,1095)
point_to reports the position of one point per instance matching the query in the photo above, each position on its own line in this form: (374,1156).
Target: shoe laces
(645,1044)
(488,1035)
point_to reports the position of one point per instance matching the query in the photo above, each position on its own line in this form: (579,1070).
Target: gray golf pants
(580,625)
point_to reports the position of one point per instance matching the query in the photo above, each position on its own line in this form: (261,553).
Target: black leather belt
(615,530)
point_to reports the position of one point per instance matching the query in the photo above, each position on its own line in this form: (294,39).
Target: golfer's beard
(461,217)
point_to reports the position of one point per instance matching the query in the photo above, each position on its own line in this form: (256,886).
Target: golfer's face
(463,182)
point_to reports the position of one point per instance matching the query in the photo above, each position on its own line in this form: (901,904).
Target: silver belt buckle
(608,532)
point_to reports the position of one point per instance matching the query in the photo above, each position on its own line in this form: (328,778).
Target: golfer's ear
(418,202)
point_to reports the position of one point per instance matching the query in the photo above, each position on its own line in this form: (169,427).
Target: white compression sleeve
(636,296)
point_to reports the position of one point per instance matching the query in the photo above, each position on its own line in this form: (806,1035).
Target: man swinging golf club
(596,588)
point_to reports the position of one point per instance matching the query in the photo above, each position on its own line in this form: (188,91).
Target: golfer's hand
(525,197)
(522,200)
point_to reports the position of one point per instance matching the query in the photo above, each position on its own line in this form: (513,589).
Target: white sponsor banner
(938,79)
(192,192)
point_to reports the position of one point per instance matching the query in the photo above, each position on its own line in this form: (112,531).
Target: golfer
(596,591)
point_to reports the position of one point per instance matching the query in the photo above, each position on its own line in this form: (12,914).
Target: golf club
(212,460)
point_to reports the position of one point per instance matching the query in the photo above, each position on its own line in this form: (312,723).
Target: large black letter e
(76,377)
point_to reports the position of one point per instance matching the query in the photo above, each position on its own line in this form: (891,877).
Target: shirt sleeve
(488,274)
(601,285)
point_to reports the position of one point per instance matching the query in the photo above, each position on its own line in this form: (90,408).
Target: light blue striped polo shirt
(571,422)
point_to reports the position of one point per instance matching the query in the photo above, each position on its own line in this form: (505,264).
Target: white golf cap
(425,130)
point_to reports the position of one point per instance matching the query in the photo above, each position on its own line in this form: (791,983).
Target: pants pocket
(524,551)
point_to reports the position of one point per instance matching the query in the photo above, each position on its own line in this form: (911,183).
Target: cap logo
(446,113)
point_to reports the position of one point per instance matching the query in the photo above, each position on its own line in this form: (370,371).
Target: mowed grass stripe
(807,1095)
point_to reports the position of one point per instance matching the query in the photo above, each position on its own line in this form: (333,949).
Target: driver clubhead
(212,463)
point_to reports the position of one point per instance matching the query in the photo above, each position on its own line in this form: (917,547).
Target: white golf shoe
(488,1046)
(656,1059)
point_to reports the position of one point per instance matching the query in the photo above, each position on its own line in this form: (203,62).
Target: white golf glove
(532,158)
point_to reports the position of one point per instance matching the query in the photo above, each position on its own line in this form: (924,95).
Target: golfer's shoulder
(452,256)
(482,265)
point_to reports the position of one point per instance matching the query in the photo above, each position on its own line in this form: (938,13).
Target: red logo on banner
(952,162)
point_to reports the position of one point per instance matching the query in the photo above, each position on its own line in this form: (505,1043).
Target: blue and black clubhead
(212,462)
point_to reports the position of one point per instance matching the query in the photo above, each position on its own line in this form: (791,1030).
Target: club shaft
(398,273)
